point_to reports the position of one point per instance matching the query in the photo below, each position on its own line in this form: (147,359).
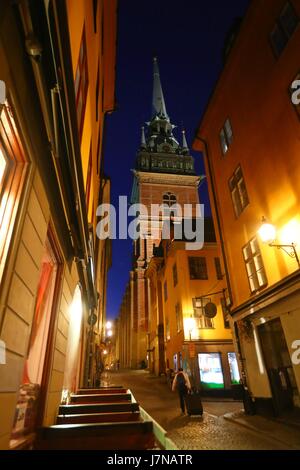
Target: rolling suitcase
(194,404)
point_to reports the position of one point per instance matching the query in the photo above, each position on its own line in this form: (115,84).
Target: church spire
(185,147)
(158,101)
(143,139)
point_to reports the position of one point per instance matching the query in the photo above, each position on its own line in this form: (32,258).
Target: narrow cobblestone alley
(212,431)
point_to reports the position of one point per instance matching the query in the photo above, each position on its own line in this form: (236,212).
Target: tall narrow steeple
(184,142)
(143,139)
(158,101)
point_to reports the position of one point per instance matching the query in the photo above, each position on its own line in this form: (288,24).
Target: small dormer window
(169,199)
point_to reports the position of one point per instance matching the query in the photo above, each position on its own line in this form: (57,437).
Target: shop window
(198,268)
(81,84)
(210,367)
(12,177)
(254,265)
(284,28)
(226,136)
(234,369)
(238,191)
(31,400)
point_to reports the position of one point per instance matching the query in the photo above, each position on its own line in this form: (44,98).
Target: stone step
(97,408)
(108,436)
(98,417)
(100,398)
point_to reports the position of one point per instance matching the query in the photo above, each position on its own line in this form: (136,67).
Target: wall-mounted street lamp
(267,233)
(190,325)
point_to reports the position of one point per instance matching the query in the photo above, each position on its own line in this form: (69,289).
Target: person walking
(182,384)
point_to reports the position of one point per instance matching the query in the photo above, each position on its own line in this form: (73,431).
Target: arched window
(169,199)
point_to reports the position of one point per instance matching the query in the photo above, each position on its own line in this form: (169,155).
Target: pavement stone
(224,426)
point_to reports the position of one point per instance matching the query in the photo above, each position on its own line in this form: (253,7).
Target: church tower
(164,174)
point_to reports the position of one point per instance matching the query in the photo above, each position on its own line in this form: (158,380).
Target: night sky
(187,36)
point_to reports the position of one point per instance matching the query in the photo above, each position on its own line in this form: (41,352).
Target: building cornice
(167,178)
(275,293)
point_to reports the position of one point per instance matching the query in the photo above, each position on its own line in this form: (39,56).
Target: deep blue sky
(187,36)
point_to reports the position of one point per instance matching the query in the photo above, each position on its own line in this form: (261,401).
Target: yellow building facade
(49,254)
(182,283)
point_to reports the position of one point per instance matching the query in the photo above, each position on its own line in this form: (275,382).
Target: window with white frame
(284,28)
(201,320)
(226,136)
(178,312)
(254,265)
(238,191)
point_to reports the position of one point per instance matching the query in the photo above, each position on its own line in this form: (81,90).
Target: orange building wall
(253,92)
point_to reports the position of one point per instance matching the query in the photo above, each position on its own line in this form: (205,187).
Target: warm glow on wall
(290,232)
(2,165)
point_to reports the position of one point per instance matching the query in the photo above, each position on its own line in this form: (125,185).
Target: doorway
(278,365)
(33,388)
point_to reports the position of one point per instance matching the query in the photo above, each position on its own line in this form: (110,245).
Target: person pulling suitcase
(181,383)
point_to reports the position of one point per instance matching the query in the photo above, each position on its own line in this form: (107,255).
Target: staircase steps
(101,391)
(101,398)
(99,417)
(95,419)
(108,436)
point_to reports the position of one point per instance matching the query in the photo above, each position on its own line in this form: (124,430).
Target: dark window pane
(278,39)
(198,268)
(289,20)
(218,268)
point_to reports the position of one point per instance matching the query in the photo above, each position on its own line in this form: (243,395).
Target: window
(295,93)
(175,276)
(81,84)
(226,136)
(238,191)
(210,367)
(169,199)
(168,336)
(201,320)
(12,176)
(254,265)
(95,9)
(225,313)
(178,312)
(234,369)
(165,291)
(284,28)
(97,94)
(218,269)
(198,268)
(89,179)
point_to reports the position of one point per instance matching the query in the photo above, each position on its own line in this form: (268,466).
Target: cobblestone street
(212,431)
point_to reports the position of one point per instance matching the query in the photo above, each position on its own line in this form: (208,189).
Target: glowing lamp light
(108,325)
(267,232)
(189,323)
(104,352)
(109,333)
